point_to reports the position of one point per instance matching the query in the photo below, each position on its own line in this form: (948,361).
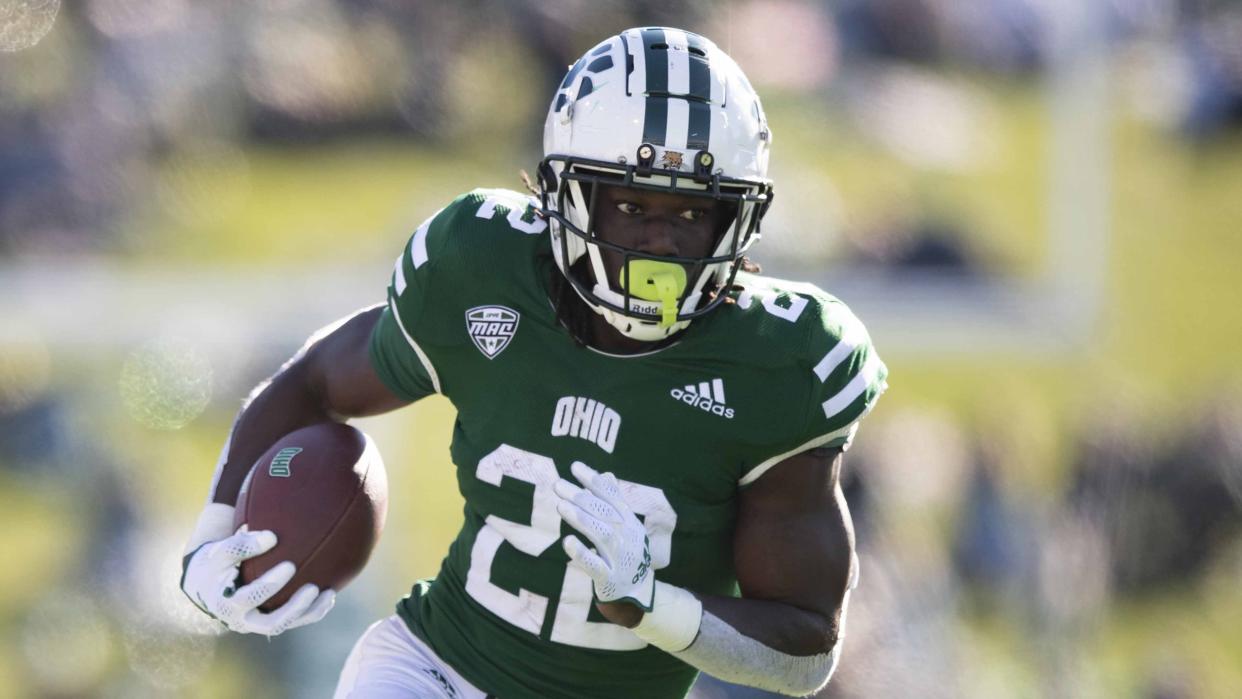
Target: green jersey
(781,368)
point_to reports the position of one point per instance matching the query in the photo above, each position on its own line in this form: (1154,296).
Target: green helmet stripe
(655,121)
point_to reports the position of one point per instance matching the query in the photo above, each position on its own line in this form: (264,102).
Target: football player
(649,433)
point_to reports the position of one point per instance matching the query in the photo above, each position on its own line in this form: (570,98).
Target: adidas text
(702,403)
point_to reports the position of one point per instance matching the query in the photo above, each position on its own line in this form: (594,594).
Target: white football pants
(390,662)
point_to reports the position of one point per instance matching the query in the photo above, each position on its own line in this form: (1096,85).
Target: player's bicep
(339,368)
(794,540)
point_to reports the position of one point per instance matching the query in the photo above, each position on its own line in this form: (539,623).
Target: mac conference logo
(492,328)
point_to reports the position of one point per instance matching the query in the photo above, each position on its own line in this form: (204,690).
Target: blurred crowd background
(1034,204)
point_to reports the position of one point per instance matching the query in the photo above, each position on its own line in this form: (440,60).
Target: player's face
(656,223)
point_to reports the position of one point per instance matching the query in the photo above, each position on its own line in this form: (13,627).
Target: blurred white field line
(931,316)
(100,304)
(181,334)
(224,311)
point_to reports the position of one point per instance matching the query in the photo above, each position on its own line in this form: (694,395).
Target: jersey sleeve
(850,377)
(399,361)
(844,376)
(461,256)
(408,326)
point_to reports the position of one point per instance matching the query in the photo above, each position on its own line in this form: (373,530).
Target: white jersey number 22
(527,610)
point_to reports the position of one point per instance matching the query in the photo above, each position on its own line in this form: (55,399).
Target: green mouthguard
(656,281)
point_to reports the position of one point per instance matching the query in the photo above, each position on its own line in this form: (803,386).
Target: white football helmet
(657,109)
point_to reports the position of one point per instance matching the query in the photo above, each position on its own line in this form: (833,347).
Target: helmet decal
(587,85)
(678,89)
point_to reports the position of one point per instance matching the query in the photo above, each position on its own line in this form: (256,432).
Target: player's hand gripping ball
(323,491)
(209,579)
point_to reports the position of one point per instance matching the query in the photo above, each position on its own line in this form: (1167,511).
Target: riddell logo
(705,396)
(648,308)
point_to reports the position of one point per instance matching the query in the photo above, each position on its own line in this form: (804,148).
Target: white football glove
(620,564)
(209,579)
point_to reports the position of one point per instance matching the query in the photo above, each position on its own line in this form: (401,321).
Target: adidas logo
(705,396)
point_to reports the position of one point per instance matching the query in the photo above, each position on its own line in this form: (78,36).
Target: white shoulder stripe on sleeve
(418,253)
(752,475)
(854,389)
(418,245)
(422,356)
(852,336)
(398,276)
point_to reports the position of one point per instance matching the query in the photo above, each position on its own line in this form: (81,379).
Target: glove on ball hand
(209,579)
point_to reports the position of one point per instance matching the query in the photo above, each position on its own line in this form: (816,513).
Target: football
(323,490)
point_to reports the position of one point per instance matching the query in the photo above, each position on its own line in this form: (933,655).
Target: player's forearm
(275,408)
(768,644)
(779,626)
(724,652)
(759,643)
(330,378)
